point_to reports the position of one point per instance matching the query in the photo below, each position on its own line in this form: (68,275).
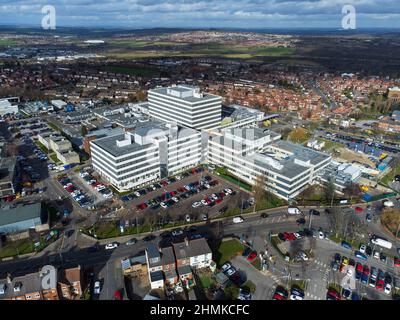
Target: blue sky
(203,13)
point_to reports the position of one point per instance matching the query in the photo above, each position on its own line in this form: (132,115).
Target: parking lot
(192,197)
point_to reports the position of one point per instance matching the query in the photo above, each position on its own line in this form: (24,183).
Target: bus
(381,242)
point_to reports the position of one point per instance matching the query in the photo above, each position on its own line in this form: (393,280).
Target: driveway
(265,285)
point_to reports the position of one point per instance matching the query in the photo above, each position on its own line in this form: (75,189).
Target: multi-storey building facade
(186,106)
(252,152)
(153,150)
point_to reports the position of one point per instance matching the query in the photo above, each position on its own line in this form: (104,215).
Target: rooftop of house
(167,255)
(191,248)
(156,276)
(29,283)
(71,275)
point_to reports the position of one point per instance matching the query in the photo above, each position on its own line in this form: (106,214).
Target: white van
(237,220)
(388,204)
(294,210)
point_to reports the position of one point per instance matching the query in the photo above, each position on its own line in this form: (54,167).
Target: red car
(218,201)
(182,189)
(366,270)
(380,284)
(277,296)
(252,256)
(141,206)
(397,262)
(359,209)
(290,236)
(221,195)
(332,295)
(164,183)
(173,193)
(359,267)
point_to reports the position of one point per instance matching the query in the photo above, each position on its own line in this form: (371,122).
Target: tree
(330,191)
(259,188)
(336,220)
(84,131)
(353,190)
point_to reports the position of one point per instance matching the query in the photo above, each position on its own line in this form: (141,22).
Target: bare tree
(330,191)
(336,220)
(259,188)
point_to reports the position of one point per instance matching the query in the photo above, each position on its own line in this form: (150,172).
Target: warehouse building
(22,218)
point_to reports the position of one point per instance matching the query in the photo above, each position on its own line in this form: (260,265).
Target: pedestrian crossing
(272,276)
(321,264)
(312,297)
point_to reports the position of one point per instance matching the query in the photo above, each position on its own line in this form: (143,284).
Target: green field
(226,251)
(131,49)
(8,42)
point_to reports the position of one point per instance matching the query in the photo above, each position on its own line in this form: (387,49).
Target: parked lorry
(294,210)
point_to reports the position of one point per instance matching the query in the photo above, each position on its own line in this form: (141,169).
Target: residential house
(70,283)
(169,265)
(154,264)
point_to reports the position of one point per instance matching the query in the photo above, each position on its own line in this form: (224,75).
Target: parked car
(226,266)
(177,232)
(111,246)
(131,242)
(252,256)
(96,288)
(230,272)
(244,294)
(237,220)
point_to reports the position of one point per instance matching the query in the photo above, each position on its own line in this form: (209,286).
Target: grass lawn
(257,263)
(331,145)
(206,281)
(226,251)
(222,172)
(17,247)
(269,202)
(42,147)
(231,212)
(107,230)
(249,286)
(390,176)
(8,42)
(335,286)
(54,158)
(302,284)
(55,127)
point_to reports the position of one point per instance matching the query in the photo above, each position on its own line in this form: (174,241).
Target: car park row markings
(312,296)
(320,263)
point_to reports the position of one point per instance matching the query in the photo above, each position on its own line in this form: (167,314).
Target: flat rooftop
(185,93)
(7,167)
(291,165)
